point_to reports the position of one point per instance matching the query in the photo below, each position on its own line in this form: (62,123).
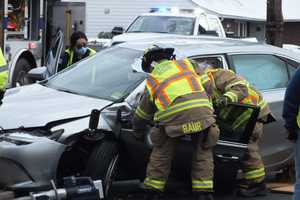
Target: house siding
(103,15)
(291,34)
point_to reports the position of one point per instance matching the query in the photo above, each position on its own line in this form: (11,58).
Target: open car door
(233,142)
(54,54)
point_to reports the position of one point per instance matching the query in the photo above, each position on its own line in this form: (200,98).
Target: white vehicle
(171,21)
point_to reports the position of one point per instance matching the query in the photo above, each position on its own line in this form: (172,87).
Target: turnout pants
(252,165)
(159,164)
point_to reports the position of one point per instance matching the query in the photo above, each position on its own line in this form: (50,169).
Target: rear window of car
(262,71)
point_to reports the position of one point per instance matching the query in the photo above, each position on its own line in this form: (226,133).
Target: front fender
(27,158)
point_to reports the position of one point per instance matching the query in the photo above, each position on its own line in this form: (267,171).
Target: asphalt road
(270,196)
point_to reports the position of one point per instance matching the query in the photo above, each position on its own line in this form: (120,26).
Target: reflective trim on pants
(202,184)
(255,174)
(154,183)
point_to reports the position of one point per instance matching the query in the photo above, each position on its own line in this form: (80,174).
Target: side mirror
(38,74)
(117,30)
(94,120)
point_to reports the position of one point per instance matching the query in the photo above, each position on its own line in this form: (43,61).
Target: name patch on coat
(191,127)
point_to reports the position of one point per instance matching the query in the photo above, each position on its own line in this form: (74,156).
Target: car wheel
(103,164)
(20,73)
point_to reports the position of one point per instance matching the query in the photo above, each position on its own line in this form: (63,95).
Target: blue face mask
(81,51)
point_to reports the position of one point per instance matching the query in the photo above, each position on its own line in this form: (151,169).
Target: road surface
(270,196)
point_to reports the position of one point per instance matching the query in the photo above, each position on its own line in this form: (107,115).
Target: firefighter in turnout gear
(176,101)
(3,75)
(224,86)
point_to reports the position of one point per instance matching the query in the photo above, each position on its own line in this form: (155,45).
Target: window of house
(262,71)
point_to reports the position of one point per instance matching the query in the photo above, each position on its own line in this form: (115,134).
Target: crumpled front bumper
(28,161)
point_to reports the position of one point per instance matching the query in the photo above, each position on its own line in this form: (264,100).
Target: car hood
(127,37)
(37,105)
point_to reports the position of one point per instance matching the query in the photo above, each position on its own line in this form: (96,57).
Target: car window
(213,61)
(214,25)
(203,25)
(163,24)
(262,71)
(109,75)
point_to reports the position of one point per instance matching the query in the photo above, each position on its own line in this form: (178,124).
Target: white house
(246,18)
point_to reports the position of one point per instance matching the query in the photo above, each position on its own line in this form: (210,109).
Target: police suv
(189,22)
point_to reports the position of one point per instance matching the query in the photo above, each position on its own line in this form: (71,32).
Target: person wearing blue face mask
(77,50)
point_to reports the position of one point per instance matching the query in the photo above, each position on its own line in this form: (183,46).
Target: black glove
(292,134)
(222,101)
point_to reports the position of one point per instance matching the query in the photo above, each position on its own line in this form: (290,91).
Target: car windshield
(163,24)
(107,75)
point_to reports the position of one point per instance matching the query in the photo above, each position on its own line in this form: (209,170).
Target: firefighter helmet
(155,54)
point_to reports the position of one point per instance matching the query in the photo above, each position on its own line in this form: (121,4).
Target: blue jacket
(292,102)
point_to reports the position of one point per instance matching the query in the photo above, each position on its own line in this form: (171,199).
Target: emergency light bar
(176,10)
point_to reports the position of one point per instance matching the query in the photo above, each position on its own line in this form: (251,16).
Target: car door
(269,74)
(54,54)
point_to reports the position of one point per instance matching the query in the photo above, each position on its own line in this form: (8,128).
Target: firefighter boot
(151,193)
(252,190)
(203,196)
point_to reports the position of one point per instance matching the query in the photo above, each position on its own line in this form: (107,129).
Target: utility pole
(274,26)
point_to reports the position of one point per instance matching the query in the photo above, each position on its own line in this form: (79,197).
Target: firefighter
(224,86)
(175,100)
(78,50)
(3,75)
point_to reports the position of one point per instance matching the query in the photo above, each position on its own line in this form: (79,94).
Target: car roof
(188,46)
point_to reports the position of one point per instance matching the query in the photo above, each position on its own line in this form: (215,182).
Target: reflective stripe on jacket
(175,99)
(225,82)
(70,53)
(171,79)
(298,118)
(3,71)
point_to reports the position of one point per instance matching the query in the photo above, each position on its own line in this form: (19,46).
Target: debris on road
(286,188)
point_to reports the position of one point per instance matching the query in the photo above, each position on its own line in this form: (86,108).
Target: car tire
(19,75)
(103,164)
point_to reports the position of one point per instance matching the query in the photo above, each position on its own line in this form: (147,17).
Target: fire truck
(21,36)
(26,37)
